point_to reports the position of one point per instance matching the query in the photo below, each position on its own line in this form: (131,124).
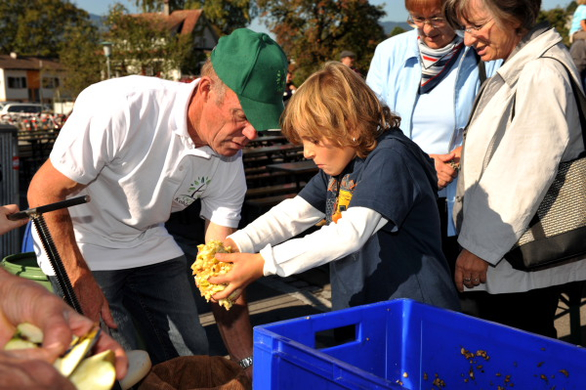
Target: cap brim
(263,116)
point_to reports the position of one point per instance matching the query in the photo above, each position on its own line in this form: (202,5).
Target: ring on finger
(467,280)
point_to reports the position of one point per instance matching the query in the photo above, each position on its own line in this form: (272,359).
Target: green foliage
(396,31)
(37,27)
(571,7)
(313,32)
(81,56)
(143,45)
(558,18)
(224,15)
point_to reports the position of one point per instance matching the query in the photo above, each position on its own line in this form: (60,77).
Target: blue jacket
(395,74)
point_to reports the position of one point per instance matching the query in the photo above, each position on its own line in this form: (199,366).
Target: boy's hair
(581,2)
(336,104)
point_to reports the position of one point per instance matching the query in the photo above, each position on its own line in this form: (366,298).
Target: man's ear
(204,87)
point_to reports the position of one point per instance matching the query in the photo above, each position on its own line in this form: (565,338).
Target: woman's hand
(247,268)
(447,166)
(470,270)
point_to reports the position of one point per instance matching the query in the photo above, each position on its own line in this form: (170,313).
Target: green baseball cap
(255,67)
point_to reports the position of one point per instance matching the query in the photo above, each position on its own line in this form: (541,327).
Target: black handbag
(557,233)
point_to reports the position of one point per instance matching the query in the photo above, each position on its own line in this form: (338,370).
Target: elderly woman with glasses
(430,79)
(525,123)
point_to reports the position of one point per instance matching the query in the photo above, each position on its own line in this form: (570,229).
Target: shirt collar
(180,107)
(179,120)
(539,40)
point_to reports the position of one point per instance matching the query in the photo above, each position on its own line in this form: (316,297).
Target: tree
(313,32)
(142,45)
(224,15)
(37,27)
(558,18)
(396,31)
(81,56)
(571,7)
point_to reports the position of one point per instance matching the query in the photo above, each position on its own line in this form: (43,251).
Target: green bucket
(25,265)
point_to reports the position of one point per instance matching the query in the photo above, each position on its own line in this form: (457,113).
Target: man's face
(223,125)
(348,61)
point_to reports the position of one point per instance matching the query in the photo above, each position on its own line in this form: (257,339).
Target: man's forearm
(235,328)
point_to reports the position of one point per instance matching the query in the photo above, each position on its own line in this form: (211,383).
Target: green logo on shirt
(196,188)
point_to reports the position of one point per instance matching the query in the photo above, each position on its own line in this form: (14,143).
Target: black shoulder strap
(481,71)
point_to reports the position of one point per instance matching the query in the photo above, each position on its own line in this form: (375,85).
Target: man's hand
(93,301)
(27,301)
(7,225)
(20,370)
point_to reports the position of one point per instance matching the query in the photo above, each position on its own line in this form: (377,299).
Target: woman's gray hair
(524,12)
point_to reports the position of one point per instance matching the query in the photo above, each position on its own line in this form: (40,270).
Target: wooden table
(297,168)
(34,147)
(40,141)
(268,140)
(270,151)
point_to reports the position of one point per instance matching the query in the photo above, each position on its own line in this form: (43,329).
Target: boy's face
(329,158)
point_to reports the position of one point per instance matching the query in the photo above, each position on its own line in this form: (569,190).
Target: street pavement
(274,299)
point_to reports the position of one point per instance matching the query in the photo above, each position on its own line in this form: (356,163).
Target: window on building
(50,82)
(17,82)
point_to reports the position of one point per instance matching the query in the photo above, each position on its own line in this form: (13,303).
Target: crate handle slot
(335,336)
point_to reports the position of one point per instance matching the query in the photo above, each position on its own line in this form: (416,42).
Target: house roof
(28,63)
(180,21)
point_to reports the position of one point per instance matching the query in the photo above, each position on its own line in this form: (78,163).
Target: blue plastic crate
(404,344)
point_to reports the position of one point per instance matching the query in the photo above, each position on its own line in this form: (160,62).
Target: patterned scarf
(435,63)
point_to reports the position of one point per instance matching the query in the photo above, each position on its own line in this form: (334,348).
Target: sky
(395,9)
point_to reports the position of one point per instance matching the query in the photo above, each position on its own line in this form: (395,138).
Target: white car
(22,108)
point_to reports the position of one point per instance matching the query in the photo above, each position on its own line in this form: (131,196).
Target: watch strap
(246,362)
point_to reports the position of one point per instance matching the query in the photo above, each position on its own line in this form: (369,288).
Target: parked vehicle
(22,108)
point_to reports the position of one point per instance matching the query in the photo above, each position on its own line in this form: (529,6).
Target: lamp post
(107,53)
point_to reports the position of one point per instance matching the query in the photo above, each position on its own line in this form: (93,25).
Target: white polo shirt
(127,141)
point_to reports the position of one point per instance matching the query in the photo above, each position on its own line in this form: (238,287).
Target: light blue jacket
(579,15)
(395,74)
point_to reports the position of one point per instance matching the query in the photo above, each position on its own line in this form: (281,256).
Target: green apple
(16,343)
(96,372)
(80,348)
(26,336)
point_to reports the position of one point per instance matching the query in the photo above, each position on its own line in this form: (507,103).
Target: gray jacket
(531,97)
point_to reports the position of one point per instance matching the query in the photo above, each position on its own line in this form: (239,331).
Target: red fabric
(197,373)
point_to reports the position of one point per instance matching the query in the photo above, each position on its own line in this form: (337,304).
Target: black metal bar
(56,262)
(50,207)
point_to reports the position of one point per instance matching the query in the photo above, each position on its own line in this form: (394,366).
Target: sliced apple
(18,343)
(30,332)
(96,372)
(80,348)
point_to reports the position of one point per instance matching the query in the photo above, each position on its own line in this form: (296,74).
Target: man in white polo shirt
(143,148)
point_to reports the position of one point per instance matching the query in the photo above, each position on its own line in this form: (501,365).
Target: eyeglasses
(417,21)
(475,30)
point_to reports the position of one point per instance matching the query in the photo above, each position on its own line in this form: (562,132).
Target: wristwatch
(246,362)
